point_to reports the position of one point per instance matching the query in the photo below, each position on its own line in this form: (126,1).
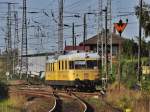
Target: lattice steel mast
(60,27)
(9,28)
(109,14)
(100,40)
(16,42)
(24,45)
(16,36)
(9,41)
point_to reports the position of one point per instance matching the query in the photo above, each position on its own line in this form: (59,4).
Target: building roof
(115,39)
(79,48)
(74,55)
(78,56)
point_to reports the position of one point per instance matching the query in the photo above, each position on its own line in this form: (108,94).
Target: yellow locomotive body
(73,69)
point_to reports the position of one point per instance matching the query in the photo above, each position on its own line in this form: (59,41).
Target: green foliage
(145,47)
(112,75)
(125,102)
(5,107)
(129,48)
(15,103)
(145,17)
(146,83)
(129,73)
(3,90)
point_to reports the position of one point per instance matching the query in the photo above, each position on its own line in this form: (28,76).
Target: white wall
(36,64)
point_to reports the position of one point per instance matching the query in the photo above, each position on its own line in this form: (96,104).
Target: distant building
(36,64)
(78,48)
(92,43)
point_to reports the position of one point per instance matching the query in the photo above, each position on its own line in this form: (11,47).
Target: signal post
(120,26)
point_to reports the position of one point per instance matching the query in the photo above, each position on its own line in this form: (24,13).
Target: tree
(145,17)
(130,48)
(144,47)
(148,46)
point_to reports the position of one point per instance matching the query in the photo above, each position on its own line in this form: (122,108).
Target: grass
(14,103)
(5,106)
(96,103)
(18,103)
(123,98)
(38,105)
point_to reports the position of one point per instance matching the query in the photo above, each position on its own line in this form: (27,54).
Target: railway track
(53,109)
(36,92)
(87,107)
(75,104)
(62,101)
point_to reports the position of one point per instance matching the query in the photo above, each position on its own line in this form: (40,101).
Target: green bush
(128,73)
(3,90)
(146,83)
(112,76)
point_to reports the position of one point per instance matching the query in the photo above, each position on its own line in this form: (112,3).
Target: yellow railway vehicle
(146,70)
(78,70)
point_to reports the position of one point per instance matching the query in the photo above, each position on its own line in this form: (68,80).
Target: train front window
(83,64)
(80,64)
(91,64)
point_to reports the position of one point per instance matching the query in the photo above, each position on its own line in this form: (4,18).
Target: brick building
(92,43)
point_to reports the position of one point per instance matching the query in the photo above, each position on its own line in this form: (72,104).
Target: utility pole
(99,27)
(120,26)
(139,47)
(85,30)
(24,47)
(75,41)
(16,42)
(9,28)
(119,66)
(16,38)
(65,43)
(106,51)
(9,41)
(60,26)
(38,38)
(100,39)
(109,16)
(73,37)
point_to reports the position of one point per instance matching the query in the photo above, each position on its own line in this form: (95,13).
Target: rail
(43,92)
(37,92)
(82,102)
(55,103)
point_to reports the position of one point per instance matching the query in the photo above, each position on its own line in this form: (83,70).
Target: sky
(47,41)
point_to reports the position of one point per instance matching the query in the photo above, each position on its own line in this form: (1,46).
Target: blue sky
(49,28)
